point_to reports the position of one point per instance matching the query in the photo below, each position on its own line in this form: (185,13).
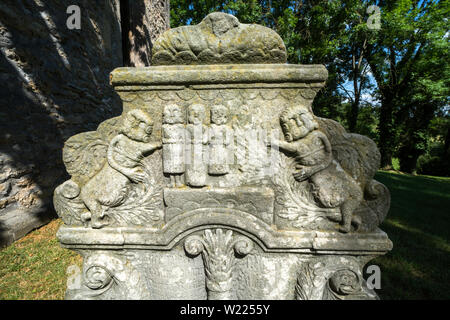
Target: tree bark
(385,129)
(142,22)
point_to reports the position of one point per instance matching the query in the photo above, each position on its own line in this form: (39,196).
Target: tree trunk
(447,143)
(142,23)
(385,128)
(353,115)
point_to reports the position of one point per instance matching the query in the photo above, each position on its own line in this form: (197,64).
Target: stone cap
(220,38)
(219,74)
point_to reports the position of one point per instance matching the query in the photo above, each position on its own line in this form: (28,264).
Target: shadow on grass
(418,224)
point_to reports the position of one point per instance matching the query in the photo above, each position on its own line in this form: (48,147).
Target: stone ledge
(218,74)
(269,239)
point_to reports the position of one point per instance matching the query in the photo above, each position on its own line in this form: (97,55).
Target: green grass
(35,266)
(418,224)
(417,268)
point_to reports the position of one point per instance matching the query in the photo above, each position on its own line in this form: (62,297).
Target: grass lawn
(34,267)
(418,224)
(417,268)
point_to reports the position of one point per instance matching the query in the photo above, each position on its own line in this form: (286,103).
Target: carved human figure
(332,186)
(173,139)
(110,186)
(196,140)
(220,137)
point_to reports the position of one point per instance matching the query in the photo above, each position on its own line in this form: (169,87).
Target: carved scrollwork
(331,281)
(341,284)
(218,251)
(98,278)
(107,276)
(68,205)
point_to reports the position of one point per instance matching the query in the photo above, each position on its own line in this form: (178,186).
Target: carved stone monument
(218,182)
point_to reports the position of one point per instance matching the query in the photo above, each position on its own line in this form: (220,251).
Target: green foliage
(404,63)
(434,162)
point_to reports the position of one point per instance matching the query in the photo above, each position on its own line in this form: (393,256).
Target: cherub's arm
(131,173)
(151,146)
(306,172)
(290,147)
(110,155)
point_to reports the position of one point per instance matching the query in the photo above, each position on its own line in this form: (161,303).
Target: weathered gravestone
(218,182)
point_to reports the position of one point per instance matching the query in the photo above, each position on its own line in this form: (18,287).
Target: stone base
(219,259)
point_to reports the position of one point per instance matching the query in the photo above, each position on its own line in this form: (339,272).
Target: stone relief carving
(331,280)
(257,201)
(219,38)
(112,186)
(218,251)
(330,184)
(190,153)
(109,276)
(197,139)
(329,171)
(220,138)
(173,139)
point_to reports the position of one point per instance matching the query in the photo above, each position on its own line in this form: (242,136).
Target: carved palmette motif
(218,250)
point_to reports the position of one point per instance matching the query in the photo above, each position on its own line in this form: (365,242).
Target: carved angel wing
(84,154)
(357,154)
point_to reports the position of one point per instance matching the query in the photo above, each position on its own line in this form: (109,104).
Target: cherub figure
(332,186)
(220,136)
(197,138)
(173,139)
(110,186)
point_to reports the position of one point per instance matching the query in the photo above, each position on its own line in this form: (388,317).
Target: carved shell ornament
(219,39)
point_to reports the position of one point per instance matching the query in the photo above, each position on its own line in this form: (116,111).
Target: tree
(400,58)
(403,63)
(142,22)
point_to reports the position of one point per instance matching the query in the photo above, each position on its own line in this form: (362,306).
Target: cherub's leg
(97,214)
(346,212)
(356,222)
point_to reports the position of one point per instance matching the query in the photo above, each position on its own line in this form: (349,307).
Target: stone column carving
(218,250)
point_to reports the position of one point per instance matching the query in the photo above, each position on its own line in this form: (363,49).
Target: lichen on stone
(219,39)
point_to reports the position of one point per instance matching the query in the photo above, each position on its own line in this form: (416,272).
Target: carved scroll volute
(218,251)
(320,281)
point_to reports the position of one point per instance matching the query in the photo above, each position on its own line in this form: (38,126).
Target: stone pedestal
(218,182)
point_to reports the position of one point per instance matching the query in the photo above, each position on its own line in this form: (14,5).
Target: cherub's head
(196,114)
(137,125)
(296,123)
(219,114)
(173,114)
